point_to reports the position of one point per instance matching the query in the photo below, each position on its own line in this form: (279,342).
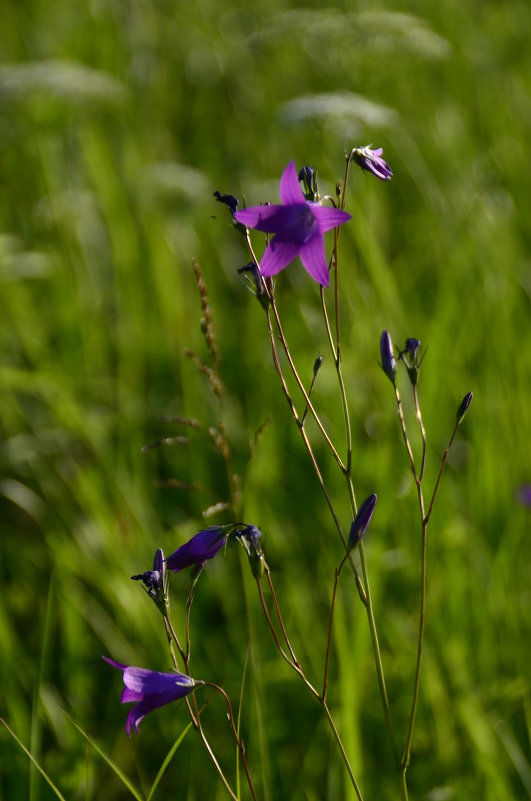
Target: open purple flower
(150,689)
(203,546)
(298,227)
(372,161)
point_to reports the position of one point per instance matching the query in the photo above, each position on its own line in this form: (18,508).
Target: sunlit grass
(117,122)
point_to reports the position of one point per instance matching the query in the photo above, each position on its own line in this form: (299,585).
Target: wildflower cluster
(295,229)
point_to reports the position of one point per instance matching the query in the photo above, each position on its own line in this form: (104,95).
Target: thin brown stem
(422,431)
(341,748)
(330,622)
(302,388)
(279,616)
(443,463)
(378,657)
(404,431)
(237,739)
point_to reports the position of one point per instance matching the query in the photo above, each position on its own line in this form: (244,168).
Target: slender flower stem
(237,739)
(378,656)
(267,616)
(279,617)
(348,475)
(443,463)
(169,627)
(309,404)
(422,432)
(341,748)
(416,684)
(192,706)
(329,638)
(302,387)
(404,431)
(214,759)
(320,697)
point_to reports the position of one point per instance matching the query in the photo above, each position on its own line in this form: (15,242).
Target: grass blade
(33,760)
(121,775)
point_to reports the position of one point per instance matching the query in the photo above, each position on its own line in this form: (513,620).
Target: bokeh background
(118,120)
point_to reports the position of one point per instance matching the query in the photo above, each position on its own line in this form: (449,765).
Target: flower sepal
(155,583)
(249,538)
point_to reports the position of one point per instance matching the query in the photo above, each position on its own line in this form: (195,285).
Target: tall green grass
(117,122)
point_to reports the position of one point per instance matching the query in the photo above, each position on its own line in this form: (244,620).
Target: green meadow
(118,121)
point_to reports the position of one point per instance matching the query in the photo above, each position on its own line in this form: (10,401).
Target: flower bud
(308,177)
(361,521)
(156,583)
(259,290)
(317,365)
(463,407)
(411,350)
(250,537)
(387,356)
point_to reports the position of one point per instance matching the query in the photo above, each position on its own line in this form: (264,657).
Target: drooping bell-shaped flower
(372,161)
(149,689)
(200,548)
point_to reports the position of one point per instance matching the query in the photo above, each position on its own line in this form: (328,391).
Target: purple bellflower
(372,161)
(203,546)
(298,227)
(361,521)
(149,690)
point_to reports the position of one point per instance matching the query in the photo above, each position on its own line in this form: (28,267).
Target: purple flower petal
(290,190)
(314,260)
(328,218)
(268,219)
(371,160)
(277,255)
(203,546)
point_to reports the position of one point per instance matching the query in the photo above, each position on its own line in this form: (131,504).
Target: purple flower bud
(228,200)
(308,176)
(149,690)
(203,546)
(259,290)
(387,356)
(361,521)
(371,160)
(317,365)
(412,349)
(156,583)
(463,407)
(250,537)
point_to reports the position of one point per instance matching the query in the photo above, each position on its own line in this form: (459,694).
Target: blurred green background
(118,119)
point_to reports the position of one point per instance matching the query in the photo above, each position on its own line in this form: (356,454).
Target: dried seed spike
(206,320)
(185,421)
(222,506)
(165,441)
(176,483)
(203,368)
